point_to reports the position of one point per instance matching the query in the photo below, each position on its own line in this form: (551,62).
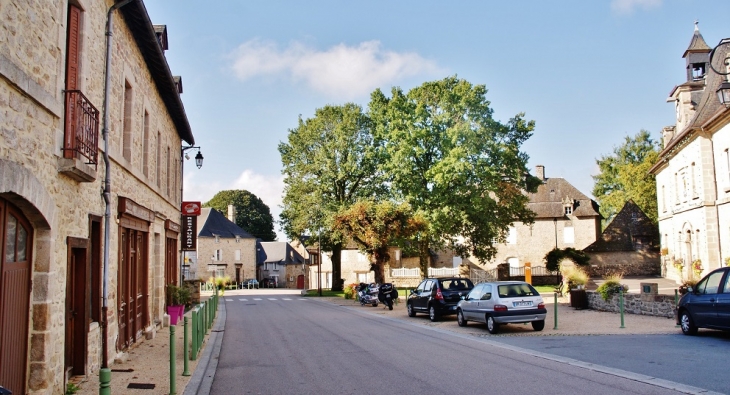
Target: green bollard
(621,305)
(186,367)
(194,351)
(172,360)
(105,381)
(555,309)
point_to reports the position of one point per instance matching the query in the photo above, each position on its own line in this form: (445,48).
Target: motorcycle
(386,294)
(368,294)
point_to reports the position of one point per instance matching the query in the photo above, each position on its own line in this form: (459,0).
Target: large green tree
(375,226)
(456,165)
(329,163)
(252,214)
(624,175)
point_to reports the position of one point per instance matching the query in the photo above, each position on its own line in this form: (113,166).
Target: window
(698,71)
(220,271)
(238,239)
(276,267)
(568,210)
(711,285)
(429,286)
(146,144)
(158,159)
(568,235)
(167,176)
(693,181)
(218,255)
(127,122)
(512,235)
(487,293)
(217,239)
(237,255)
(727,165)
(664,200)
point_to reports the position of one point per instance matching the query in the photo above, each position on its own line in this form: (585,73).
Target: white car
(502,302)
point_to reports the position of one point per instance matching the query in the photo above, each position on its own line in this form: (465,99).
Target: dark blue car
(707,304)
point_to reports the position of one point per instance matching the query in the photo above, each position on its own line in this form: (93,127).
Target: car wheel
(538,325)
(460,318)
(688,326)
(492,326)
(432,314)
(411,312)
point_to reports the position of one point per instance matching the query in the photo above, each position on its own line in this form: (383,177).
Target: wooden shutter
(72,47)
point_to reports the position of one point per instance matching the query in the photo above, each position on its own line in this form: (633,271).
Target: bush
(611,287)
(350,291)
(573,276)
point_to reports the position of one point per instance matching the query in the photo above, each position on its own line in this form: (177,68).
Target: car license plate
(521,304)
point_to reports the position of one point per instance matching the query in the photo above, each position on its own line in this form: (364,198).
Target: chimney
(232,213)
(540,172)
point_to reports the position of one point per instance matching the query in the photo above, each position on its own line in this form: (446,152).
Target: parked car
(707,304)
(269,282)
(250,283)
(502,302)
(437,296)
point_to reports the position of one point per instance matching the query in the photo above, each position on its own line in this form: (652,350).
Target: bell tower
(697,56)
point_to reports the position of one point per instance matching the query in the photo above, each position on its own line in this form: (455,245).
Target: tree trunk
(424,257)
(337,280)
(379,273)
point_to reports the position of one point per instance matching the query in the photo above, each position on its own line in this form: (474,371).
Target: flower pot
(175,313)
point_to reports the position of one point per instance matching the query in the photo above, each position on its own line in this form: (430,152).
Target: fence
(432,272)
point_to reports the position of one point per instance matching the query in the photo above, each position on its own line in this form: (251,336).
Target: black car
(707,304)
(269,282)
(437,296)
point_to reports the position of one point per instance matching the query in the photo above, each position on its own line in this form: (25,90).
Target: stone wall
(627,263)
(654,305)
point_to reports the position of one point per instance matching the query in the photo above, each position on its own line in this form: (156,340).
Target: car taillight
(541,305)
(500,307)
(439,295)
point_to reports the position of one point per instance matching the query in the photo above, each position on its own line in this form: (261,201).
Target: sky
(589,73)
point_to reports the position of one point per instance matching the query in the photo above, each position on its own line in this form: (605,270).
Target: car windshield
(516,290)
(457,284)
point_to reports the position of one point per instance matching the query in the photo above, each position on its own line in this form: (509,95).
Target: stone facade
(692,174)
(59,196)
(223,247)
(654,305)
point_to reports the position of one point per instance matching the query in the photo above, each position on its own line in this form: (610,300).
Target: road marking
(286,299)
(243,300)
(229,300)
(257,299)
(272,299)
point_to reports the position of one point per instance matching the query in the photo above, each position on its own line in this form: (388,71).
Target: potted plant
(697,267)
(177,298)
(684,288)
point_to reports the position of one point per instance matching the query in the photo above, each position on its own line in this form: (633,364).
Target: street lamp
(199,164)
(723,92)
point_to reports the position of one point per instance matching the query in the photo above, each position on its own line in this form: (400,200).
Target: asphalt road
(292,345)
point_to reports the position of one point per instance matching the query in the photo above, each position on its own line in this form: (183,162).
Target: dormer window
(568,210)
(238,239)
(568,204)
(217,239)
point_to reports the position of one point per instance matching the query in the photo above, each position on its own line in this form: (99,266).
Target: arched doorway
(16,235)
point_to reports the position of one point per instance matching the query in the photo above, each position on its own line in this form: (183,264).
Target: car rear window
(456,284)
(516,290)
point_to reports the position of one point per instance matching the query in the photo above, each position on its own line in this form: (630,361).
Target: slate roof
(138,20)
(697,44)
(547,202)
(212,223)
(277,251)
(619,234)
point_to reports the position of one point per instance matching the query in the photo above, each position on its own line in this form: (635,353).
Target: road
(285,344)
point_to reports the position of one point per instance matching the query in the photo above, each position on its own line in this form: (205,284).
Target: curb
(202,379)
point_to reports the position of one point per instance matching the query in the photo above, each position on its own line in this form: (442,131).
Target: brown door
(238,275)
(132,291)
(76,311)
(171,275)
(16,236)
(140,286)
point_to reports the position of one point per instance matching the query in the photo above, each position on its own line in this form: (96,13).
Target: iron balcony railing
(81,135)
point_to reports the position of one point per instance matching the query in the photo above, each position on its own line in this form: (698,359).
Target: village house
(281,264)
(54,165)
(693,170)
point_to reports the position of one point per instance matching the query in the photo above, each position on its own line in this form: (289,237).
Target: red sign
(189,234)
(190,208)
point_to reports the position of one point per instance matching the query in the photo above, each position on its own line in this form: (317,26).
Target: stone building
(629,246)
(280,262)
(52,174)
(693,171)
(224,249)
(564,217)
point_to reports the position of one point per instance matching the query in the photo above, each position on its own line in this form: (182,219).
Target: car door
(723,303)
(417,295)
(486,303)
(471,302)
(703,302)
(425,295)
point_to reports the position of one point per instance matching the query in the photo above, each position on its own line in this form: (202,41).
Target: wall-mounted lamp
(723,92)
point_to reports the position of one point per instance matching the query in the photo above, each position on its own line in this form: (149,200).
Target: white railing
(443,271)
(403,272)
(432,272)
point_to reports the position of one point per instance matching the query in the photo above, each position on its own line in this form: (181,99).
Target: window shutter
(72,47)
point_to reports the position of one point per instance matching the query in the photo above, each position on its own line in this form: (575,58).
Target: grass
(545,289)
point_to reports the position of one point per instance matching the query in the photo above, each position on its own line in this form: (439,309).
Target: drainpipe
(107,181)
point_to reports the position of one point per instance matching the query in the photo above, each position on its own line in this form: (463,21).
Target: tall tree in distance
(456,165)
(625,175)
(375,226)
(329,163)
(252,214)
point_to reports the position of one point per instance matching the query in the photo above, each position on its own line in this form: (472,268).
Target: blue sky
(588,73)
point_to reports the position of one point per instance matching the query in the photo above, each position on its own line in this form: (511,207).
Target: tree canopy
(252,214)
(625,175)
(456,165)
(329,163)
(375,226)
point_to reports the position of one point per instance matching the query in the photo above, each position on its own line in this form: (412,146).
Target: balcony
(81,138)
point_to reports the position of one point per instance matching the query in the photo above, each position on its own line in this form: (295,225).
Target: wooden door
(77,314)
(300,281)
(16,241)
(122,290)
(133,316)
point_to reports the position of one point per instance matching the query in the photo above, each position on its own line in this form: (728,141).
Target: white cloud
(629,6)
(341,71)
(268,188)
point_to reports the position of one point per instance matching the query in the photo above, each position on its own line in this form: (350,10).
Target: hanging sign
(190,208)
(189,235)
